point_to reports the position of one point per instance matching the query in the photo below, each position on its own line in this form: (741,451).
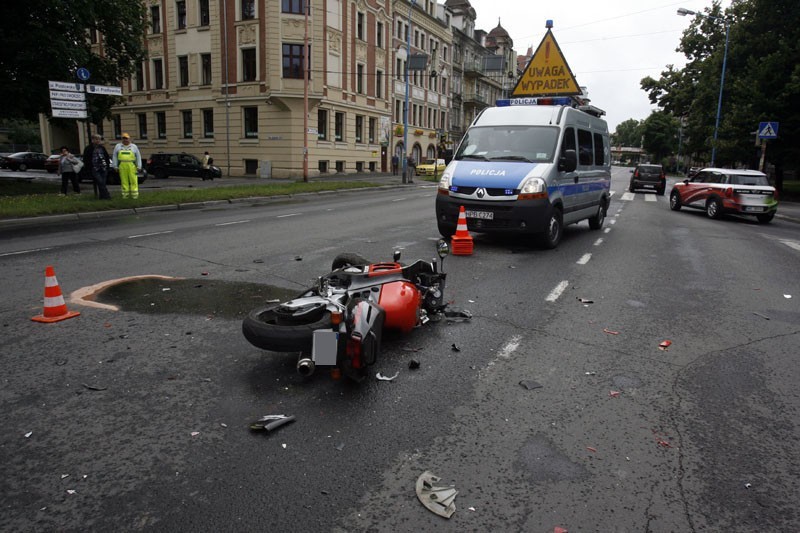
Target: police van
(529,166)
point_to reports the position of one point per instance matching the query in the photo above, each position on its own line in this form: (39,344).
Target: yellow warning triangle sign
(547,73)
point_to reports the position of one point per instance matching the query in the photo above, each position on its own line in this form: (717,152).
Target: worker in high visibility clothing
(128,161)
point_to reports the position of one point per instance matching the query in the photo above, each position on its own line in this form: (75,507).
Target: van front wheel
(596,222)
(555,228)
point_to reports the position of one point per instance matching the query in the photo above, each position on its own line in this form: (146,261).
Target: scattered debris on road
(610,332)
(664,345)
(584,301)
(455,348)
(413,364)
(762,316)
(381,377)
(94,387)
(614,393)
(530,384)
(438,499)
(271,422)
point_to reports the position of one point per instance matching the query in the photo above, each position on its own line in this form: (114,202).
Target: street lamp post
(411,5)
(683,12)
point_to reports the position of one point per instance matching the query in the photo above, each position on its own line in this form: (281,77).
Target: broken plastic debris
(436,498)
(71,491)
(204,273)
(28,434)
(747,485)
(339,447)
(762,316)
(386,378)
(195,433)
(585,300)
(283,445)
(271,422)
(606,330)
(471,508)
(298,258)
(165,289)
(530,384)
(455,348)
(614,393)
(663,443)
(94,387)
(590,373)
(413,364)
(457,315)
(560,530)
(664,345)
(593,450)
(63,476)
(787,296)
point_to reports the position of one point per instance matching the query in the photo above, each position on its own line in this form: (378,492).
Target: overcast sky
(609,45)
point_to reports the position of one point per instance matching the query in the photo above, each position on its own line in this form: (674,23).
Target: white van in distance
(529,169)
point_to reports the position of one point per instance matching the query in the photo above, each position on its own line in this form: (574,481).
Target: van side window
(585,151)
(569,141)
(599,152)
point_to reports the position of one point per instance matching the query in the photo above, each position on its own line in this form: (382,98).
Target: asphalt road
(621,436)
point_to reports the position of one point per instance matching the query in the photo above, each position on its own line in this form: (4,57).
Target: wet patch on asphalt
(205,297)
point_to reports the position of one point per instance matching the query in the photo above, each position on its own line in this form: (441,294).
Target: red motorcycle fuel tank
(400,300)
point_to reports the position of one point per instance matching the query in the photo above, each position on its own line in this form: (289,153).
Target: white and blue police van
(529,166)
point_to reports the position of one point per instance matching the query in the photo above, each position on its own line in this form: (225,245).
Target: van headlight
(533,188)
(447,179)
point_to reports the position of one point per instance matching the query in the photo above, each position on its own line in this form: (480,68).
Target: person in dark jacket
(97,161)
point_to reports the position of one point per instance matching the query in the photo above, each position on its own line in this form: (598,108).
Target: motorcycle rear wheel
(265,329)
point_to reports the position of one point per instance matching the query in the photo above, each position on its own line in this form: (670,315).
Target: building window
(208,123)
(323,166)
(360,79)
(398,69)
(399,29)
(205,13)
(379,35)
(359,128)
(186,118)
(248,64)
(139,77)
(248,9)
(338,127)
(293,6)
(183,71)
(340,166)
(379,84)
(180,14)
(250,122)
(373,124)
(158,73)
(360,26)
(142,118)
(161,125)
(293,61)
(322,125)
(205,64)
(155,19)
(117,122)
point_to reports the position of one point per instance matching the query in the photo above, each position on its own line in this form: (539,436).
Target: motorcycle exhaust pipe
(305,367)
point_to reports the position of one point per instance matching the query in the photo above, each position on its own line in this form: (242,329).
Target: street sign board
(65,95)
(65,86)
(547,73)
(69,113)
(67,104)
(768,130)
(104,89)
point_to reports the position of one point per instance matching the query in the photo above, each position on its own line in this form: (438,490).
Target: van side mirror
(568,161)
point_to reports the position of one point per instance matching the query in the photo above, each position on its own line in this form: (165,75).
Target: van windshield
(535,144)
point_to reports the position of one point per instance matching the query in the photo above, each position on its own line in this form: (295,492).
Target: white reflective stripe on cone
(50,281)
(54,301)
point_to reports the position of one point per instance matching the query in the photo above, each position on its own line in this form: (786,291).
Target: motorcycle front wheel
(267,328)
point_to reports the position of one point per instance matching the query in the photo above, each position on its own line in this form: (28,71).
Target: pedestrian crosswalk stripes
(631,196)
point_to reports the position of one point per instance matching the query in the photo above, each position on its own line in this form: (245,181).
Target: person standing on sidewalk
(395,163)
(128,160)
(67,171)
(96,156)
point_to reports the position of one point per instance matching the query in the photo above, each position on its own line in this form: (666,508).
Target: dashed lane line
(598,242)
(289,215)
(557,291)
(650,198)
(584,259)
(149,234)
(33,250)
(232,223)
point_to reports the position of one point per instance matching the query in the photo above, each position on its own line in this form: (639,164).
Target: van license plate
(485,215)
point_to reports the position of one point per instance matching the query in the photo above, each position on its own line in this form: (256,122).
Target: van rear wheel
(555,228)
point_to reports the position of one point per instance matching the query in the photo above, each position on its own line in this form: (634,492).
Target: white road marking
(289,215)
(26,251)
(612,221)
(598,242)
(555,293)
(510,347)
(149,234)
(628,196)
(584,259)
(612,193)
(650,198)
(398,199)
(606,230)
(791,244)
(230,223)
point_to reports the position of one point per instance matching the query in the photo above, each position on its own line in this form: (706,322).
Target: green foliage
(47,40)
(23,132)
(628,133)
(660,134)
(762,82)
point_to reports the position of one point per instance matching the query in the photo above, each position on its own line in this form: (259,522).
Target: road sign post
(766,131)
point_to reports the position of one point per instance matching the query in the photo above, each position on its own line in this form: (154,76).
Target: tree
(660,135)
(628,133)
(49,39)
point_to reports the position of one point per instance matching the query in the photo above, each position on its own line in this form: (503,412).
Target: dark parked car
(24,160)
(648,177)
(163,165)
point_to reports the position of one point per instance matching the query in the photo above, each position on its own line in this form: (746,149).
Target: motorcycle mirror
(396,256)
(442,248)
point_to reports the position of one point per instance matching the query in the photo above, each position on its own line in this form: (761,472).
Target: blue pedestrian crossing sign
(767,130)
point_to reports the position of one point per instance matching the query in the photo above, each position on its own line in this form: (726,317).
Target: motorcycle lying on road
(338,323)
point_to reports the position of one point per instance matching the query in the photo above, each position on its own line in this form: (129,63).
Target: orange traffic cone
(54,307)
(461,242)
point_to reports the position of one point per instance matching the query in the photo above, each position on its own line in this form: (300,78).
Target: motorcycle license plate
(324,347)
(485,215)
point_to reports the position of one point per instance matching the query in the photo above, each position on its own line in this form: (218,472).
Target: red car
(723,190)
